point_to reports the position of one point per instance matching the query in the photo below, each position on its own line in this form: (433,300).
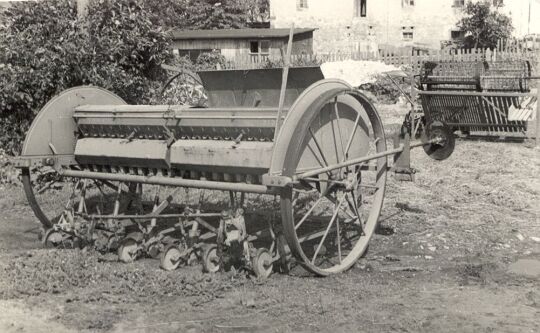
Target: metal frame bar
(284,80)
(148,216)
(361,160)
(166,181)
(481,94)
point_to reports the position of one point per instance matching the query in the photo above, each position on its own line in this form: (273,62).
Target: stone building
(368,25)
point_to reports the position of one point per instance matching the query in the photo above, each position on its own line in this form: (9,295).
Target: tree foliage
(119,45)
(217,14)
(38,57)
(126,49)
(484,25)
(208,14)
(46,48)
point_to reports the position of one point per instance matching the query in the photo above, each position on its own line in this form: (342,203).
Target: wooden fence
(398,58)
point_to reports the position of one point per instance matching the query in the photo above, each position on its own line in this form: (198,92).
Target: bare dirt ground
(458,250)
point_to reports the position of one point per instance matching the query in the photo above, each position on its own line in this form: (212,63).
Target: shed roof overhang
(236,33)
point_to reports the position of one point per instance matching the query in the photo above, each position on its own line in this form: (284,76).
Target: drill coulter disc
(171,257)
(210,259)
(56,239)
(129,247)
(442,149)
(262,263)
(329,218)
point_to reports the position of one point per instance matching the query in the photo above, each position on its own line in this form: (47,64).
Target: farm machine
(275,170)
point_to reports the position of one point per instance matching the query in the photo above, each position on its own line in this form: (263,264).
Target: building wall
(231,48)
(430,21)
(525,16)
(336,28)
(240,48)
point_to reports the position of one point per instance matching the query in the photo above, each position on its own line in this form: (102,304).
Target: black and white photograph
(269,166)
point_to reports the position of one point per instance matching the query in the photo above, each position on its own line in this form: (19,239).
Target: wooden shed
(239,44)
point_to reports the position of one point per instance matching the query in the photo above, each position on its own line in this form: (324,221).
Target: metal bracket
(402,160)
(171,139)
(276,180)
(404,174)
(56,161)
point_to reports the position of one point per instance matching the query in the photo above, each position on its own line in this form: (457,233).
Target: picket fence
(398,58)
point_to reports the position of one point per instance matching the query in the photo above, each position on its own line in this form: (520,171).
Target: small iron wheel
(442,149)
(262,263)
(54,239)
(127,252)
(171,257)
(113,243)
(154,250)
(211,259)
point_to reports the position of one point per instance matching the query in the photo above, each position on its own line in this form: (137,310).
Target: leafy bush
(120,45)
(210,60)
(218,14)
(185,89)
(302,61)
(45,48)
(386,91)
(38,56)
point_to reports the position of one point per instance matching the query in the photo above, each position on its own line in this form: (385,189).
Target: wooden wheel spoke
(349,141)
(375,186)
(334,201)
(338,240)
(352,205)
(334,216)
(318,147)
(359,221)
(340,133)
(47,186)
(321,163)
(319,200)
(334,134)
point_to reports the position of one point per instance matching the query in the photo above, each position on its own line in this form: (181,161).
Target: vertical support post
(413,105)
(284,82)
(402,160)
(537,130)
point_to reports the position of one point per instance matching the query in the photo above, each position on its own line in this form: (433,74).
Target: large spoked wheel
(52,137)
(46,207)
(331,211)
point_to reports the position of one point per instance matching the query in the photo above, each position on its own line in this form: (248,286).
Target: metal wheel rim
(287,194)
(127,251)
(209,258)
(30,196)
(170,259)
(49,240)
(263,265)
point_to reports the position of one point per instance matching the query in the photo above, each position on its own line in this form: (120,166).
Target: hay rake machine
(300,163)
